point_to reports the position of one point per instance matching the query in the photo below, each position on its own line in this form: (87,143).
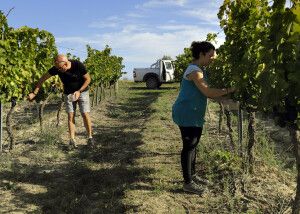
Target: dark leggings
(190,138)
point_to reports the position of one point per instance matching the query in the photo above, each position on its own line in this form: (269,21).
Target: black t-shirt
(73,78)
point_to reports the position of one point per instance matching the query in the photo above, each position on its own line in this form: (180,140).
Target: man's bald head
(61,58)
(61,62)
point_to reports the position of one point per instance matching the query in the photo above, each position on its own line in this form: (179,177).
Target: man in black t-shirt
(75,80)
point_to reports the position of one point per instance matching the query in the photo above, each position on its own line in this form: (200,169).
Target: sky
(140,31)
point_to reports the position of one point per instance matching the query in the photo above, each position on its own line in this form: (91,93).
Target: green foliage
(73,57)
(26,54)
(225,161)
(181,63)
(166,57)
(261,55)
(211,37)
(103,67)
(244,24)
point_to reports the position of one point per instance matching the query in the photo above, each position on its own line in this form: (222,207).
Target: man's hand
(76,95)
(31,96)
(231,90)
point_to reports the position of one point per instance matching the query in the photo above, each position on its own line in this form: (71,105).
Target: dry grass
(135,167)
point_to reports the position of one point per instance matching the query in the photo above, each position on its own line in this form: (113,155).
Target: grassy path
(135,165)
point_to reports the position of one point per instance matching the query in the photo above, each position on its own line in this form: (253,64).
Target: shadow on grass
(138,107)
(88,180)
(157,89)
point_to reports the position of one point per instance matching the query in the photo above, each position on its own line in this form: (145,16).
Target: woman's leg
(190,138)
(194,154)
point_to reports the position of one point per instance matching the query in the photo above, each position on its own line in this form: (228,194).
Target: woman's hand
(230,90)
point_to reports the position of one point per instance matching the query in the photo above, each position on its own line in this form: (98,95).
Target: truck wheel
(152,83)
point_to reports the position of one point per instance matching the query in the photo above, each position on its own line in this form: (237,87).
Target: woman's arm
(198,79)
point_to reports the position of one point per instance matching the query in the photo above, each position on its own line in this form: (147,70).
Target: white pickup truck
(160,72)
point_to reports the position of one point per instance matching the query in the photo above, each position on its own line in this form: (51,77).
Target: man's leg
(87,123)
(71,109)
(71,125)
(84,105)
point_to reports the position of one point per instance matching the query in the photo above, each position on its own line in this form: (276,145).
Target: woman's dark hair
(201,47)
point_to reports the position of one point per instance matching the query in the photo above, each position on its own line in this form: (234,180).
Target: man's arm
(87,80)
(32,95)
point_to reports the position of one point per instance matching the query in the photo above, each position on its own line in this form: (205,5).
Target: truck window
(168,65)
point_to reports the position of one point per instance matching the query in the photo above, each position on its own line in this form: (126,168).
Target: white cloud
(71,39)
(135,15)
(139,49)
(102,24)
(144,47)
(131,28)
(109,22)
(162,3)
(175,27)
(141,43)
(206,15)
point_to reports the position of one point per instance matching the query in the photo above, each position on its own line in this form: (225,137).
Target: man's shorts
(83,102)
